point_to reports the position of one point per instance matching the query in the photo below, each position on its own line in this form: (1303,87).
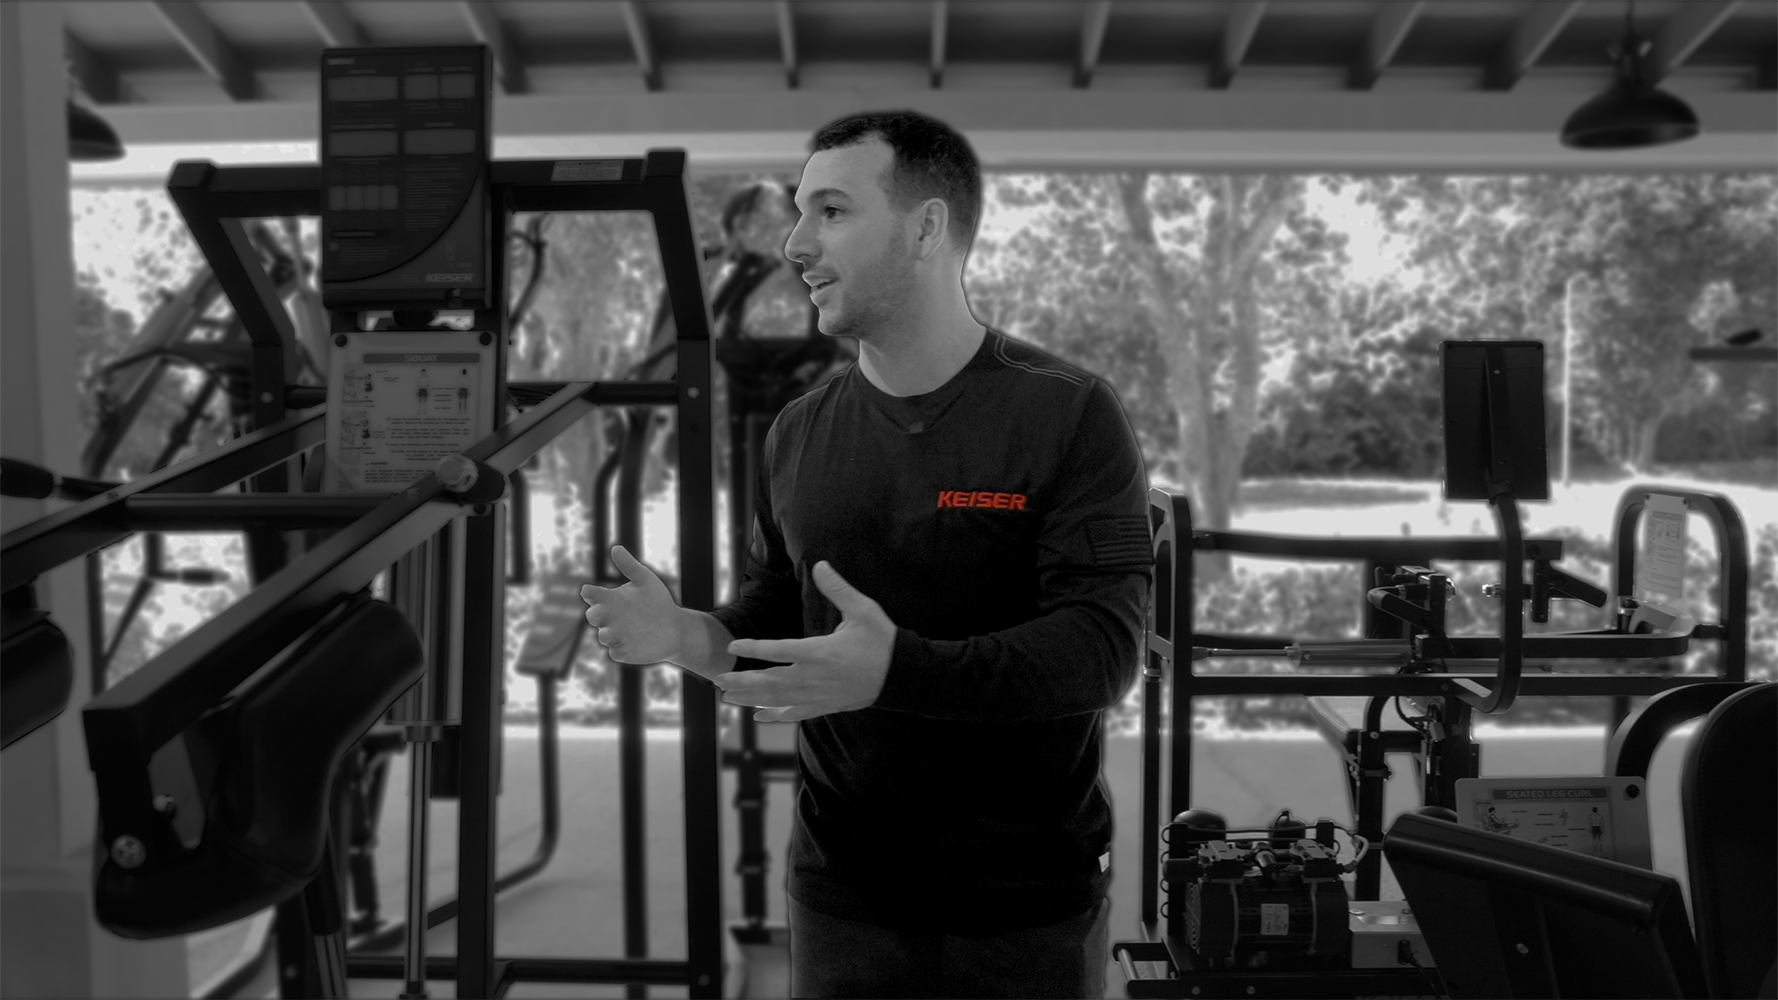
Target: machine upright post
(680,253)
(632,749)
(1184,673)
(483,675)
(484,621)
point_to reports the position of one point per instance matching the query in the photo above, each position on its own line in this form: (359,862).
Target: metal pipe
(419,792)
(1152,692)
(662,971)
(413,593)
(1351,653)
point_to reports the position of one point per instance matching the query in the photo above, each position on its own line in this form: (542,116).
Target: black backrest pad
(36,674)
(1727,790)
(1634,742)
(277,747)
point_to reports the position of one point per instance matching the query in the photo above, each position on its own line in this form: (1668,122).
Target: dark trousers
(830,957)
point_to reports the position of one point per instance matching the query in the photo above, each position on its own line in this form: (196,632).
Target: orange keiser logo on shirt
(977,498)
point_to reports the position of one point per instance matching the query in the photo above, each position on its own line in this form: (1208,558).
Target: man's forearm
(706,640)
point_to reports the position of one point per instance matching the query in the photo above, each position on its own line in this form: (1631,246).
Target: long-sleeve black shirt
(1000,521)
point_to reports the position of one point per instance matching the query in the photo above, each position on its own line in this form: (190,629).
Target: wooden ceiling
(200,70)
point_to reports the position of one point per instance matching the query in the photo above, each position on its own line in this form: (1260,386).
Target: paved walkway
(574,907)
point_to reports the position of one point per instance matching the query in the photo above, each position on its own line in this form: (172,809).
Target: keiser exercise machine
(1243,914)
(214,760)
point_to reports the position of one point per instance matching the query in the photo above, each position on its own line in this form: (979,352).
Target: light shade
(1632,113)
(1629,115)
(91,137)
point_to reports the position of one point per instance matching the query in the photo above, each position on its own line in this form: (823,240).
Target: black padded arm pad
(1731,839)
(276,749)
(36,674)
(1635,740)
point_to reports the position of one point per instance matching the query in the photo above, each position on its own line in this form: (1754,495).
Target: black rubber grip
(22,479)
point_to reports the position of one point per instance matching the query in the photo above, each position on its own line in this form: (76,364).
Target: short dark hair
(931,161)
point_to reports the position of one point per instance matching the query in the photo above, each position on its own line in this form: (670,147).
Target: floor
(573,908)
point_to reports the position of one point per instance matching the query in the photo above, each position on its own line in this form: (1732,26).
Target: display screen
(422,141)
(361,88)
(361,143)
(456,86)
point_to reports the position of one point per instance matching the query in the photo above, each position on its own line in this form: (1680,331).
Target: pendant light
(89,136)
(1633,113)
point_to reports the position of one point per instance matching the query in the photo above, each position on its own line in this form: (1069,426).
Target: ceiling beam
(1092,38)
(787,41)
(1394,20)
(1683,33)
(218,57)
(332,23)
(940,15)
(484,24)
(637,26)
(1539,26)
(1237,34)
(1397,131)
(93,72)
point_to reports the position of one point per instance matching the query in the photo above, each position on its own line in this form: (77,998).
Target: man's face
(851,241)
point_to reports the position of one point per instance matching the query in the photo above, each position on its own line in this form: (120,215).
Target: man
(956,528)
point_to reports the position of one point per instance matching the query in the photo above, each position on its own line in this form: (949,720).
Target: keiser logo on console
(991,501)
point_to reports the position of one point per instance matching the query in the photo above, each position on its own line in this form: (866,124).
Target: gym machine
(1244,908)
(188,788)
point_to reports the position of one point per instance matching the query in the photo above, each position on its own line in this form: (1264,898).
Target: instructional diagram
(1573,818)
(398,411)
(1600,817)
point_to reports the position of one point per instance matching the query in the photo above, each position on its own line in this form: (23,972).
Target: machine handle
(1512,555)
(33,482)
(22,479)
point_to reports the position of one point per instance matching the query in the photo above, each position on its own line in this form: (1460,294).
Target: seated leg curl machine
(1270,911)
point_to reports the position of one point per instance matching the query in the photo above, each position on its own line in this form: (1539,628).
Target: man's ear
(934,226)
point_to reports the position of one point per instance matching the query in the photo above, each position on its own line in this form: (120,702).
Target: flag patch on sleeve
(1120,542)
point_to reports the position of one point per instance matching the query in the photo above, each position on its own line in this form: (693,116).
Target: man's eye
(830,211)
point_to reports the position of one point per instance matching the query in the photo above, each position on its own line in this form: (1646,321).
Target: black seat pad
(36,673)
(275,750)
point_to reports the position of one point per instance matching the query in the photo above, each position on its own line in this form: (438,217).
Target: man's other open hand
(840,672)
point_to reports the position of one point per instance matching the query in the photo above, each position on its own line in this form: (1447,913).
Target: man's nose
(799,247)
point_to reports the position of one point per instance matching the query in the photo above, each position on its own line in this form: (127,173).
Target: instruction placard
(1597,816)
(399,402)
(1660,566)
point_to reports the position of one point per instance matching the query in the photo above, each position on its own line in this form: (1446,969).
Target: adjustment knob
(457,473)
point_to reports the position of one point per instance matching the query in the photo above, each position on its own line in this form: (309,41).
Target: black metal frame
(127,723)
(1170,627)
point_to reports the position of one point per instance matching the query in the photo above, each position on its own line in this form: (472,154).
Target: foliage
(1364,401)
(162,258)
(1632,271)
(1171,287)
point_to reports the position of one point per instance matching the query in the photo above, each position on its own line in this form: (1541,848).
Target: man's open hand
(839,672)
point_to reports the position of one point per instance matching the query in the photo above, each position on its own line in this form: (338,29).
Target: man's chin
(830,323)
